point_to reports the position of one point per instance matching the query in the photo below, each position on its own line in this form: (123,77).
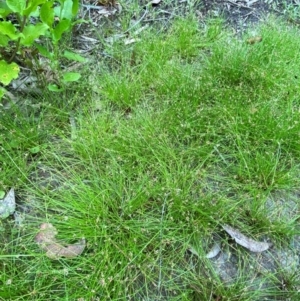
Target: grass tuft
(170,138)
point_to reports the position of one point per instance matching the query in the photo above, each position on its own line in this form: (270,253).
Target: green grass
(174,135)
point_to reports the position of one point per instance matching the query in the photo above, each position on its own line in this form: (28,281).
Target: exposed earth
(241,13)
(237,13)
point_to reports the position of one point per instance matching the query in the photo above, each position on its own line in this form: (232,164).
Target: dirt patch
(237,13)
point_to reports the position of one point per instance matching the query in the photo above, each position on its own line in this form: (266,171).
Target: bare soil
(237,13)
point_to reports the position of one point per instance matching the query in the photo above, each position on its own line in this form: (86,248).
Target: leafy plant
(25,21)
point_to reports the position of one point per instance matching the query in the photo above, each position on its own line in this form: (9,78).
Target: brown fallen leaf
(107,2)
(54,250)
(254,40)
(241,239)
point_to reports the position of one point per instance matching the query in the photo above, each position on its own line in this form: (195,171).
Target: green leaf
(35,13)
(17,6)
(67,12)
(2,194)
(2,92)
(35,150)
(32,7)
(75,7)
(54,88)
(71,77)
(47,13)
(8,72)
(7,28)
(64,11)
(74,57)
(4,9)
(60,28)
(4,40)
(44,52)
(80,21)
(32,32)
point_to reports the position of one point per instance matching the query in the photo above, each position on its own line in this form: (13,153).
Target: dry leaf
(214,251)
(106,11)
(130,41)
(249,3)
(114,38)
(241,239)
(155,2)
(107,2)
(138,31)
(193,251)
(54,250)
(8,204)
(254,40)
